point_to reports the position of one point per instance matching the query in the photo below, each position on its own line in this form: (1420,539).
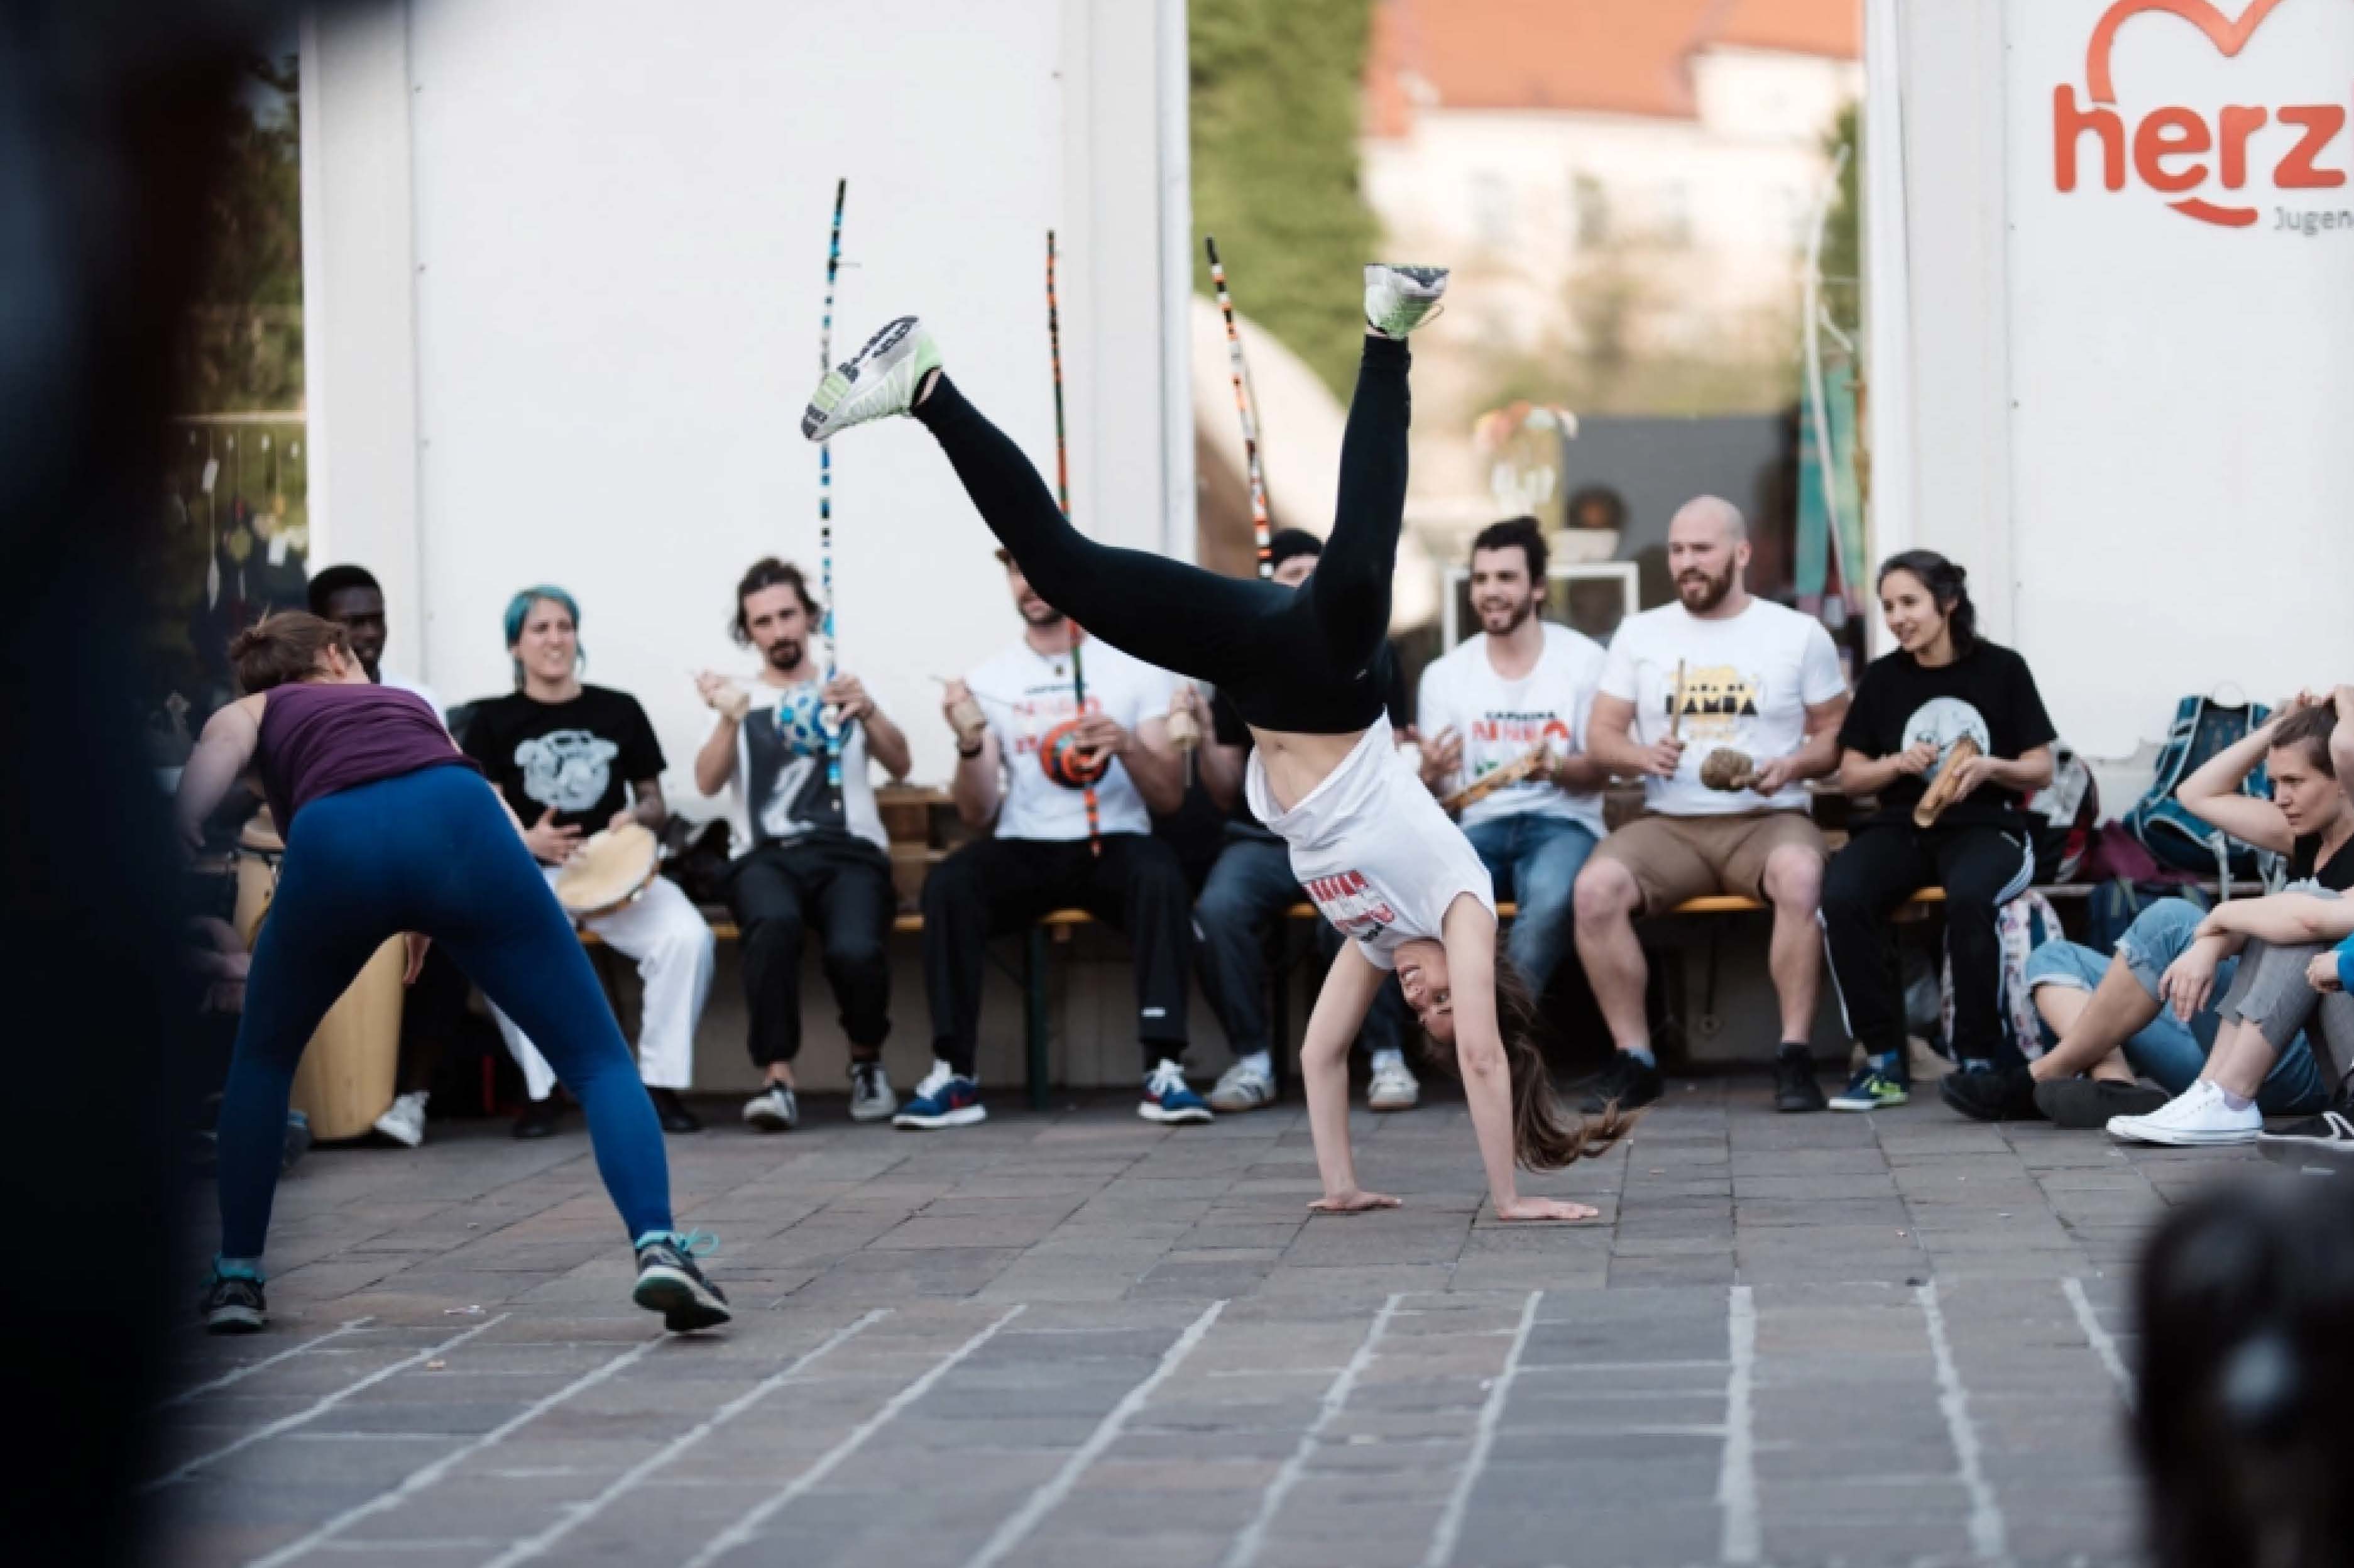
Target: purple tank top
(317,739)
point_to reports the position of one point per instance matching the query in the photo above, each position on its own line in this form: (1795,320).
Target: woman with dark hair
(1945,708)
(1303,668)
(389,828)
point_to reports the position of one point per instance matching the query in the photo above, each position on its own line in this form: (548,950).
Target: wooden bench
(1058,925)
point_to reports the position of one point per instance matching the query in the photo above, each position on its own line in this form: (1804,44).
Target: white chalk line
(317,1408)
(1049,1497)
(1491,1413)
(1253,1539)
(833,1458)
(1742,1540)
(2104,1343)
(1988,1538)
(239,1375)
(424,1476)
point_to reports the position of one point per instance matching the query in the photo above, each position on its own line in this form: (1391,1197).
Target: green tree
(240,348)
(1275,117)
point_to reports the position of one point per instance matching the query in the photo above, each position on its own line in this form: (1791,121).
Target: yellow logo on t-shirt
(1717,697)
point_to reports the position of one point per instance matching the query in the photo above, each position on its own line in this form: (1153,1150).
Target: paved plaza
(1080,1340)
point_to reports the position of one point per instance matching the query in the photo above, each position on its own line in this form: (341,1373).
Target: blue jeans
(1248,889)
(2166,1051)
(430,852)
(1535,858)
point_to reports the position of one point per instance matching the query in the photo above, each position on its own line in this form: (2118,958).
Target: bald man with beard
(1719,669)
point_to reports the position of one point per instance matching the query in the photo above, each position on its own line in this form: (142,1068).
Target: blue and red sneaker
(1169,1099)
(945,1098)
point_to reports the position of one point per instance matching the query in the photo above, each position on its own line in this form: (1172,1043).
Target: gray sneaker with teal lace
(670,1283)
(876,382)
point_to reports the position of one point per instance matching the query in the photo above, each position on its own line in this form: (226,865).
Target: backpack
(2063,816)
(2166,827)
(2021,926)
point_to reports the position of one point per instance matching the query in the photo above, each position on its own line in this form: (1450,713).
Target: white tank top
(1373,850)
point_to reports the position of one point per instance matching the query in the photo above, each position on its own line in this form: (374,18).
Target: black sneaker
(1794,1089)
(2006,1094)
(539,1118)
(233,1305)
(1629,1083)
(676,1116)
(2085,1105)
(2318,1145)
(670,1283)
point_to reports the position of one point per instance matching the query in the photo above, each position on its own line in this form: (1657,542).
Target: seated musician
(807,853)
(573,759)
(1952,720)
(1062,795)
(1523,685)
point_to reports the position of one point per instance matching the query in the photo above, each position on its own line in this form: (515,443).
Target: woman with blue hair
(573,759)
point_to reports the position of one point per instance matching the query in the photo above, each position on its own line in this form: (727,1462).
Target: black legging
(1303,660)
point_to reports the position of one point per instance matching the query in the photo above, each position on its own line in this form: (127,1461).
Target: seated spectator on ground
(2171,1003)
(1063,796)
(1522,686)
(1915,708)
(573,759)
(1719,670)
(434,1012)
(349,596)
(1251,888)
(807,853)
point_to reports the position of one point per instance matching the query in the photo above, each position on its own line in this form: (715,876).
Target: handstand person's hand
(1352,1201)
(1544,1209)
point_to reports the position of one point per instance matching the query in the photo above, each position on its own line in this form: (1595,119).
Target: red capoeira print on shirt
(1349,901)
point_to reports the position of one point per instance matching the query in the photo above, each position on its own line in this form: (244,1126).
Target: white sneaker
(1394,1087)
(876,382)
(773,1109)
(1242,1088)
(1400,299)
(404,1123)
(871,1095)
(2194,1118)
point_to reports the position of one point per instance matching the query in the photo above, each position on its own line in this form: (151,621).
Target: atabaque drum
(613,869)
(348,1071)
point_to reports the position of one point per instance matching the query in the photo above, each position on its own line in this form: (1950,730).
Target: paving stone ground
(1078,1339)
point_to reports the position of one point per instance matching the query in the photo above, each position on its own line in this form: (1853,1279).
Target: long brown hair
(281,648)
(1546,1135)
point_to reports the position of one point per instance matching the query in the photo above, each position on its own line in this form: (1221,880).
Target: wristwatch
(969,756)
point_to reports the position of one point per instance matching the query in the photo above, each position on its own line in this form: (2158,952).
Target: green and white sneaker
(880,379)
(1869,1090)
(1400,299)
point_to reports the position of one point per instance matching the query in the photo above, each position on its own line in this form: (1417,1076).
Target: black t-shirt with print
(578,756)
(1987,694)
(2336,874)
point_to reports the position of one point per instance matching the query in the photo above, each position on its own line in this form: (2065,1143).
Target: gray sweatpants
(2271,992)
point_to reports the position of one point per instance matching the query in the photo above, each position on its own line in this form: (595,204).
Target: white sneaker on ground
(876,382)
(1394,1089)
(2194,1118)
(871,1095)
(1400,299)
(773,1109)
(1242,1088)
(404,1123)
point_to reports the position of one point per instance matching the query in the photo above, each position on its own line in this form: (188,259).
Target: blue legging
(431,852)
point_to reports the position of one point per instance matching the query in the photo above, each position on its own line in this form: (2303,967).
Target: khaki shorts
(1677,858)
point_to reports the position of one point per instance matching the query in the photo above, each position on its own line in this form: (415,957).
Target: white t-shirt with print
(1373,850)
(1027,696)
(775,795)
(1748,682)
(1502,721)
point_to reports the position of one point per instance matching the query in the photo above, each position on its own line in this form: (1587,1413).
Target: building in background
(1626,189)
